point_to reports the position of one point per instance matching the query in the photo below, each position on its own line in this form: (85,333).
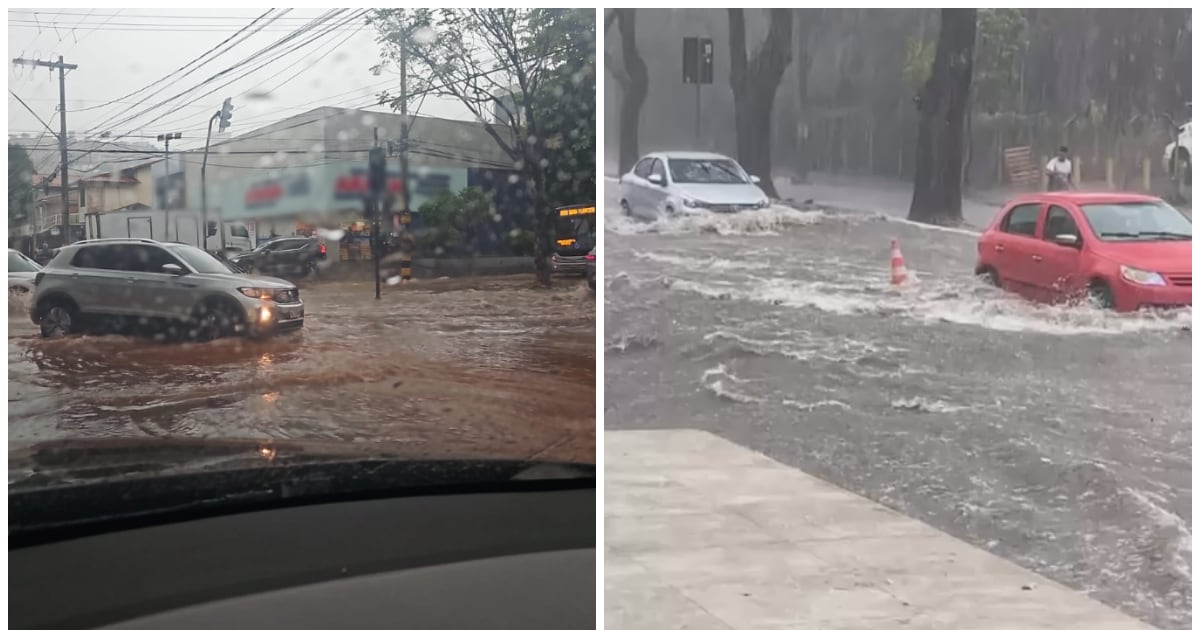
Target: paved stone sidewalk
(703,534)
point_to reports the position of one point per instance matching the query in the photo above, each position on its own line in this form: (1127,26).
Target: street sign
(697,61)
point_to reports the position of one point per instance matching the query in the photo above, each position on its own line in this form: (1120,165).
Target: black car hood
(69,488)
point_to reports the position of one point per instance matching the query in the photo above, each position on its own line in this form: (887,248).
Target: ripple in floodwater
(489,366)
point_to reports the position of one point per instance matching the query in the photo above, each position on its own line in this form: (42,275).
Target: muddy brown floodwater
(480,367)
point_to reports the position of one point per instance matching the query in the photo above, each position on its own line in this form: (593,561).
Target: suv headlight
(1143,277)
(255,292)
(765,203)
(693,203)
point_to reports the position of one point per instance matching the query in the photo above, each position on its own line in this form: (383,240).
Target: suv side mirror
(1067,240)
(755,179)
(173,269)
(657,179)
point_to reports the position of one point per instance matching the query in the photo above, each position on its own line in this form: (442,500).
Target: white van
(177,226)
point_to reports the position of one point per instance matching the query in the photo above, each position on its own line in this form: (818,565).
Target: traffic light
(377,173)
(225,114)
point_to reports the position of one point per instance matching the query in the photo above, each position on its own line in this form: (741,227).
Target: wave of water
(764,222)
(938,301)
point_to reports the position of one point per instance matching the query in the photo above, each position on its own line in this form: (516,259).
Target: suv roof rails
(118,239)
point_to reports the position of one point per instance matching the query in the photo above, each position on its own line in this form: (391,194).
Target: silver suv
(138,282)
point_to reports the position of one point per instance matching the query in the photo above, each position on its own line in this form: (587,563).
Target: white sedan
(21,271)
(677,181)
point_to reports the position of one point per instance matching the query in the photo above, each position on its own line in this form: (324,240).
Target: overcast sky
(119,51)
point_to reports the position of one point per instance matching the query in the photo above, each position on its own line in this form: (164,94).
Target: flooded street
(474,367)
(1057,437)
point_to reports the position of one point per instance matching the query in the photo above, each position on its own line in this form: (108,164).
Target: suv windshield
(1141,221)
(705,171)
(18,262)
(200,260)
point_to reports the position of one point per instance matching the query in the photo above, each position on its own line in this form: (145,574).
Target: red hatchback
(1124,251)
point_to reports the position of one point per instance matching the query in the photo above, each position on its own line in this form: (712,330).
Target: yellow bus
(574,238)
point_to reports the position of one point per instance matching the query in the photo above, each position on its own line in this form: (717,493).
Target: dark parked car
(288,257)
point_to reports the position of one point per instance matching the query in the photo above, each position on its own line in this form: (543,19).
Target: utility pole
(62,133)
(406,253)
(166,139)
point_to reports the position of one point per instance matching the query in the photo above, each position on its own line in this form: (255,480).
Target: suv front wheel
(213,320)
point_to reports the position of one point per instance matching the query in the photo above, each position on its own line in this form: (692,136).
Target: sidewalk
(888,196)
(703,534)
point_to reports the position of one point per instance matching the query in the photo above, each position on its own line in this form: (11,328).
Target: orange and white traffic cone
(899,272)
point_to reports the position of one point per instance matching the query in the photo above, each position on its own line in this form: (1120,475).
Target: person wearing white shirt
(1058,170)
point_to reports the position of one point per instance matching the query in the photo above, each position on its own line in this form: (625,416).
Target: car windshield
(1138,221)
(202,261)
(338,306)
(18,262)
(688,171)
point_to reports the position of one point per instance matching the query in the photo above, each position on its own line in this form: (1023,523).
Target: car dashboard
(505,560)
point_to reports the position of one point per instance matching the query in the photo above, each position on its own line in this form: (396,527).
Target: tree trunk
(809,20)
(754,83)
(633,93)
(937,185)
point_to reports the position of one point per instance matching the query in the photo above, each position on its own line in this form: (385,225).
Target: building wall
(331,135)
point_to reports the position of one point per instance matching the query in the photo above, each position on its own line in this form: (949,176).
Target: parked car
(591,269)
(1124,251)
(134,283)
(287,257)
(21,272)
(667,183)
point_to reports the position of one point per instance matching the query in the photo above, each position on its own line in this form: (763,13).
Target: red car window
(1022,220)
(1059,221)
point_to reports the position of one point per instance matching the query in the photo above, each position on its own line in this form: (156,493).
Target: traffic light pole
(204,186)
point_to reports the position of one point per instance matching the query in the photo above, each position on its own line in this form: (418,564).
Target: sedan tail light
(591,257)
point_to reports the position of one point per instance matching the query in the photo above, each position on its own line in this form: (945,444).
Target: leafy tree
(456,224)
(496,62)
(20,183)
(1003,36)
(564,105)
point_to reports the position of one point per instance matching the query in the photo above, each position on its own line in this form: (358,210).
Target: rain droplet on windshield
(424,35)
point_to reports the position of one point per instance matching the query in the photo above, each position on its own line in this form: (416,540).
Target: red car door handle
(1037,258)
(999,248)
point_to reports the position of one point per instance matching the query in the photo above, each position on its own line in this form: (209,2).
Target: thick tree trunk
(937,185)
(754,83)
(633,93)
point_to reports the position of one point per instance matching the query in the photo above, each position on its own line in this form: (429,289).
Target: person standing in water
(1058,170)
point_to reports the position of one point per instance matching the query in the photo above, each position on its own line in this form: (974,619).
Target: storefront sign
(329,189)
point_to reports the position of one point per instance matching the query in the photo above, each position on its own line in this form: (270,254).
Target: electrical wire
(184,66)
(237,67)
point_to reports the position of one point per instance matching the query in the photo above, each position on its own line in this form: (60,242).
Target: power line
(110,121)
(429,89)
(32,113)
(184,66)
